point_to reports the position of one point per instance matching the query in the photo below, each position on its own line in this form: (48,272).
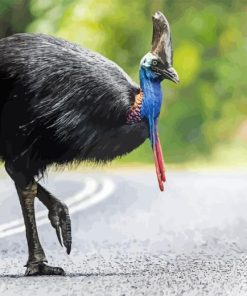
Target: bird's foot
(38,269)
(60,220)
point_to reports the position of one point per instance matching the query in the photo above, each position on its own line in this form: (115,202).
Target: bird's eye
(154,63)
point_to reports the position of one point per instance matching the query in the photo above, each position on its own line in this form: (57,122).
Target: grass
(224,157)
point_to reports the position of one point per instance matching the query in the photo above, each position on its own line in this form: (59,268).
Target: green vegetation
(208,109)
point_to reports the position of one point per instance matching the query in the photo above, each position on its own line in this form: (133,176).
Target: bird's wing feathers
(60,77)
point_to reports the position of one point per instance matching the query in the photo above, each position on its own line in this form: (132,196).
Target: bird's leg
(35,264)
(27,191)
(58,215)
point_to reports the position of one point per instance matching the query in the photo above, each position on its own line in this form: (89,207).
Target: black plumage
(63,103)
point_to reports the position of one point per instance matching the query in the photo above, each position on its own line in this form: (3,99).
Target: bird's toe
(60,220)
(39,269)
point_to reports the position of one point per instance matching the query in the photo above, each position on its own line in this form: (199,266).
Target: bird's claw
(60,220)
(59,235)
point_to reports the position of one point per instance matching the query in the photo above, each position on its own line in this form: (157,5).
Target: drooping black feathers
(60,103)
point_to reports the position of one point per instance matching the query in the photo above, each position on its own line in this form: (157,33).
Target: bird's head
(155,66)
(158,63)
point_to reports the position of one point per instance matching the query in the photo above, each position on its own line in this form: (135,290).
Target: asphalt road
(130,239)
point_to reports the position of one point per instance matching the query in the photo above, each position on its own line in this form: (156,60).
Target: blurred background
(204,118)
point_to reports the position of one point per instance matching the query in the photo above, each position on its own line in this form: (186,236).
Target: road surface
(130,239)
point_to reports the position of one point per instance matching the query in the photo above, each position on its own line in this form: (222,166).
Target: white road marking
(107,189)
(90,186)
(80,201)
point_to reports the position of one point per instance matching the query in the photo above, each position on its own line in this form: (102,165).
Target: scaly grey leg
(26,196)
(27,191)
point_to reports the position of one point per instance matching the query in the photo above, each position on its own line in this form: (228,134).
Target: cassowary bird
(61,103)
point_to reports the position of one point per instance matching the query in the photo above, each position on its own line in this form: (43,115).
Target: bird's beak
(162,47)
(170,74)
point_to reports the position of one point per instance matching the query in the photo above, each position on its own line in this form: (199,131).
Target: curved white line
(107,189)
(90,187)
(83,197)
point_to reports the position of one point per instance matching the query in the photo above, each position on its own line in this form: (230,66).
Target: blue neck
(152,99)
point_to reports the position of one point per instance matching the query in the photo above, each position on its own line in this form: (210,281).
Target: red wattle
(159,161)
(157,167)
(160,158)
